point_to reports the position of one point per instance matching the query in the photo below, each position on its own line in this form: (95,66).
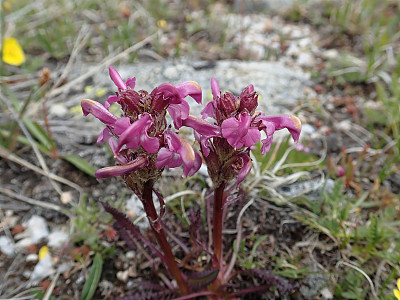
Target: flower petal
(12,52)
(121,125)
(110,100)
(234,130)
(168,158)
(292,123)
(201,126)
(396,294)
(215,89)
(190,88)
(98,110)
(204,143)
(138,163)
(179,112)
(104,135)
(132,136)
(150,144)
(113,143)
(209,110)
(180,146)
(196,166)
(170,92)
(131,82)
(398,283)
(252,137)
(246,167)
(117,79)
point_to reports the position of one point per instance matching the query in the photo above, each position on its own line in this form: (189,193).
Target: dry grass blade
(363,273)
(112,58)
(12,157)
(33,145)
(31,201)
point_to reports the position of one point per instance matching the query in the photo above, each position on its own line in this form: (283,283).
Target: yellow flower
(162,23)
(43,252)
(12,52)
(7,6)
(397,292)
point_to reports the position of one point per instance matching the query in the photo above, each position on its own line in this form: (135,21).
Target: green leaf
(39,133)
(80,163)
(91,283)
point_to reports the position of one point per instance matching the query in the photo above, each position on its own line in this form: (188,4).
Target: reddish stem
(218,220)
(152,215)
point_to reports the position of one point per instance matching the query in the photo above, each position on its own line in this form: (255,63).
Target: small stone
(7,245)
(35,230)
(344,125)
(57,238)
(307,129)
(305,59)
(326,294)
(330,54)
(66,197)
(123,275)
(43,269)
(32,257)
(58,110)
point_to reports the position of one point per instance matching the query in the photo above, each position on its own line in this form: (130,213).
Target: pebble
(123,275)
(42,269)
(57,238)
(7,245)
(32,257)
(58,110)
(35,230)
(307,129)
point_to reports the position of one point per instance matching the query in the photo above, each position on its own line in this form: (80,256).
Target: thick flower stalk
(143,143)
(237,127)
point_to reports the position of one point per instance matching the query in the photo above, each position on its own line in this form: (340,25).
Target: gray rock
(311,188)
(279,86)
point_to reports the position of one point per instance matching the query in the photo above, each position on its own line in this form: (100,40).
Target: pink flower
(269,124)
(238,132)
(136,134)
(142,132)
(121,85)
(124,169)
(240,128)
(178,152)
(98,110)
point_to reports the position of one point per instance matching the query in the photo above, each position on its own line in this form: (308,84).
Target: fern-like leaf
(282,284)
(128,230)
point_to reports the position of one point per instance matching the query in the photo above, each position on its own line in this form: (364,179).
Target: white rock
(57,238)
(326,293)
(42,269)
(307,129)
(330,54)
(305,59)
(32,257)
(123,275)
(58,110)
(36,229)
(344,125)
(134,205)
(7,245)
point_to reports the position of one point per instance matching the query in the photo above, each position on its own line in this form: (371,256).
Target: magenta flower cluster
(143,142)
(226,152)
(142,138)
